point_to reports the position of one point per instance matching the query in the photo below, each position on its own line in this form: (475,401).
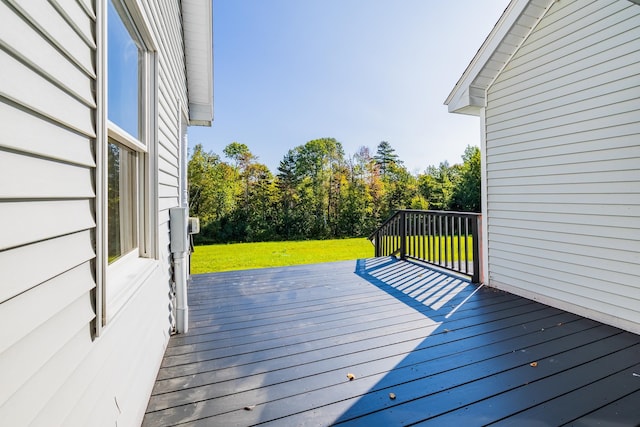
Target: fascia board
(197,21)
(459,99)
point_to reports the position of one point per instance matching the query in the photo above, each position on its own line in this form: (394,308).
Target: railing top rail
(447,213)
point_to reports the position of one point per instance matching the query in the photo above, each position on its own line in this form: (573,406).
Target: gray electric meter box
(178,218)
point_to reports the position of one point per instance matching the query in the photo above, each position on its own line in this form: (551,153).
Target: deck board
(281,342)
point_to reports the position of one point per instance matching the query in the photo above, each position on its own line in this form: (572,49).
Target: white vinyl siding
(46,202)
(563,162)
(54,370)
(172,102)
(45,149)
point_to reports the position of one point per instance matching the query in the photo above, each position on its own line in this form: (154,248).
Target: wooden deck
(274,347)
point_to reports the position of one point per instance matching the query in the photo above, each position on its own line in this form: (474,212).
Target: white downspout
(182,307)
(184,191)
(180,255)
(484,198)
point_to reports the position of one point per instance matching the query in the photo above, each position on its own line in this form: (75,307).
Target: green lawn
(433,248)
(242,256)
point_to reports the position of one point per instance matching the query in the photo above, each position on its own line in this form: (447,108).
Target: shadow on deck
(274,347)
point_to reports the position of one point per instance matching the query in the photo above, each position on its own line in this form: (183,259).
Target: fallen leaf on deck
(351,376)
(249,408)
(392,396)
(533,364)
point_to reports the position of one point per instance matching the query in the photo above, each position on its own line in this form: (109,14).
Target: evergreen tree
(386,157)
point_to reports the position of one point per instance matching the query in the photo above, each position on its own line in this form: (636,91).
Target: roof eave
(197,19)
(468,95)
(470,102)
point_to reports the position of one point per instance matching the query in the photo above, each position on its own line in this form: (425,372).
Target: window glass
(123,59)
(122,201)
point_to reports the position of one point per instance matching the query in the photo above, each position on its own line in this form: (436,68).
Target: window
(127,249)
(121,200)
(124,59)
(126,146)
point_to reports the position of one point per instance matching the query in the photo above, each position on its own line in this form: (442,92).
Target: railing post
(476,232)
(403,235)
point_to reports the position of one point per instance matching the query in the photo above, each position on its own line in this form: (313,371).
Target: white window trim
(118,282)
(122,137)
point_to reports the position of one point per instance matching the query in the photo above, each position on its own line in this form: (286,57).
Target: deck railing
(449,240)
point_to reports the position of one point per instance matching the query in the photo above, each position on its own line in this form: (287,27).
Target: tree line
(318,192)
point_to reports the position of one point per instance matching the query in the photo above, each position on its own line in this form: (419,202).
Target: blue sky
(360,71)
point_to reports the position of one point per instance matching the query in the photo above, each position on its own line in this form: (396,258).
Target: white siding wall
(53,372)
(172,104)
(563,163)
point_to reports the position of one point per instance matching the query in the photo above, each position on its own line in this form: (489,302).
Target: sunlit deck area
(275,347)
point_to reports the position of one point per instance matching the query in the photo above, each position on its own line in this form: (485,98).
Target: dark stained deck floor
(274,347)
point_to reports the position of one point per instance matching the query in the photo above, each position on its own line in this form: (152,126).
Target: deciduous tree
(467,192)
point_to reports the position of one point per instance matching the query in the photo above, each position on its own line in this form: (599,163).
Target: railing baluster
(440,239)
(434,238)
(443,240)
(403,235)
(394,235)
(422,233)
(396,232)
(434,224)
(434,234)
(449,240)
(386,240)
(417,237)
(466,245)
(446,243)
(414,236)
(399,234)
(430,239)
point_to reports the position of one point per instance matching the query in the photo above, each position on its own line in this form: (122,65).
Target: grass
(243,256)
(433,248)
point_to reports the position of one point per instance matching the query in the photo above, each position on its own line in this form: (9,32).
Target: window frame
(118,281)
(129,201)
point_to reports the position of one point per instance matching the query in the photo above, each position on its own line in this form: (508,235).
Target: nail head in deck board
(484,358)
